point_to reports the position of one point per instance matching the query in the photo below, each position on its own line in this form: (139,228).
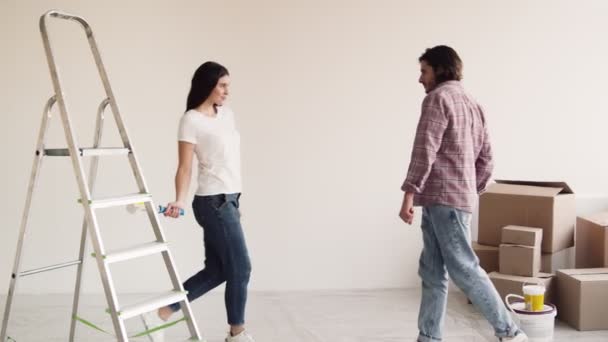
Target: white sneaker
(242,337)
(521,337)
(151,321)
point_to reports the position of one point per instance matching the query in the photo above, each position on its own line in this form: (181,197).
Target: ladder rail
(67,16)
(83,238)
(106,84)
(76,159)
(37,164)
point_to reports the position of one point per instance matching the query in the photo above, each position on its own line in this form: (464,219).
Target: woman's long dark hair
(203,82)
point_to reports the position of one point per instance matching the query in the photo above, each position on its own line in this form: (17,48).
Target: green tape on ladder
(160,327)
(94,255)
(89,324)
(143,333)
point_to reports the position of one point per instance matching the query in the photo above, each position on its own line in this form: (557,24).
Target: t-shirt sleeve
(187,130)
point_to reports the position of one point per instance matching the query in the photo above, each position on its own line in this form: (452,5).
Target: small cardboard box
(551,262)
(519,260)
(524,236)
(488,257)
(507,284)
(583,299)
(547,205)
(592,241)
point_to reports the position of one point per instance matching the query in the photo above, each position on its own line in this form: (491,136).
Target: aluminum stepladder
(90,225)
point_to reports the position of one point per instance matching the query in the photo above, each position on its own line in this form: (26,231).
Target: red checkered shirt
(451,160)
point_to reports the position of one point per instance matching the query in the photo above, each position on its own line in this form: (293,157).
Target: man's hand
(407,208)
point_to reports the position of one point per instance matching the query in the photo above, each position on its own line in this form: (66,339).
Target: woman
(207,130)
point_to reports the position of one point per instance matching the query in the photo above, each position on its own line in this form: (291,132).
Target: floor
(324,316)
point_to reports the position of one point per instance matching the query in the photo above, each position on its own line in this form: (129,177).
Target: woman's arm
(182,178)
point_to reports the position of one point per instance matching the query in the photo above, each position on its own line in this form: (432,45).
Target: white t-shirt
(217,150)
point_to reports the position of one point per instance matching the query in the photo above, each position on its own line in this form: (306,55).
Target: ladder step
(136,252)
(152,304)
(105,151)
(87,152)
(118,201)
(49,268)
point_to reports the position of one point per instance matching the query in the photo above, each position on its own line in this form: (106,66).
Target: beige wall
(327,101)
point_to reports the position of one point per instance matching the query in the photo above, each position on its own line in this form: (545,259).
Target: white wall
(327,101)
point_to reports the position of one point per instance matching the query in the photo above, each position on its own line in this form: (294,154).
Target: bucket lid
(533,289)
(520,308)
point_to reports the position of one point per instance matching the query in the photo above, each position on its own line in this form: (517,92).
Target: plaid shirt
(452,158)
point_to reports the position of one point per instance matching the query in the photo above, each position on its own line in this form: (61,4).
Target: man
(451,164)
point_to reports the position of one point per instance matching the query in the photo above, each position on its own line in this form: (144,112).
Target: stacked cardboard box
(519,252)
(545,207)
(592,241)
(580,294)
(488,257)
(582,297)
(551,262)
(519,262)
(582,291)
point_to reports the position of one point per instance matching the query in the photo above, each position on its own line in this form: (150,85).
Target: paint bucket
(534,297)
(538,325)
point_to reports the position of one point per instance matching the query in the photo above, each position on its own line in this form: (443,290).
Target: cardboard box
(519,260)
(583,302)
(524,236)
(546,205)
(592,241)
(488,257)
(506,284)
(551,262)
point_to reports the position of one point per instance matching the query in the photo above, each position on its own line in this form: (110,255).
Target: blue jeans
(447,250)
(226,256)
